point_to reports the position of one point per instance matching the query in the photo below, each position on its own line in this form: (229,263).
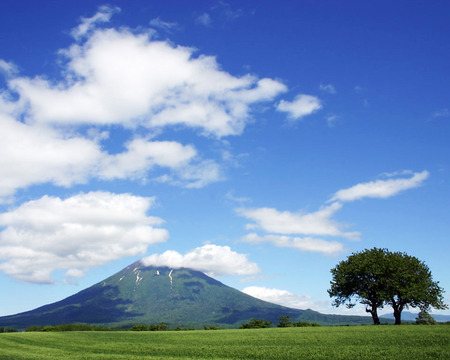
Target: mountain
(178,297)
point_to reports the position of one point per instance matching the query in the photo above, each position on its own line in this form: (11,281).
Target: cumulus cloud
(280,297)
(285,222)
(301,106)
(381,188)
(75,234)
(125,78)
(308,244)
(33,154)
(120,77)
(212,259)
(142,155)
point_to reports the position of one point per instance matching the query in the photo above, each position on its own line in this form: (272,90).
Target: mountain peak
(141,294)
(153,294)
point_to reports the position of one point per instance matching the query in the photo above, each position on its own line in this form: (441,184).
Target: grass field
(357,342)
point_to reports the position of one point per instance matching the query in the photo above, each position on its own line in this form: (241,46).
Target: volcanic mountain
(150,295)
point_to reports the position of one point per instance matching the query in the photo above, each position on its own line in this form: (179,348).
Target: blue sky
(259,142)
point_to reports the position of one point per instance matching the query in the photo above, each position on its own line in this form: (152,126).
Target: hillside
(177,297)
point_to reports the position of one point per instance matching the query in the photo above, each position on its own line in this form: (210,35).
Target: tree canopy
(378,277)
(256,324)
(425,319)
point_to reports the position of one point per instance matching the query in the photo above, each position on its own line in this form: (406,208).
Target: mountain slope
(177,297)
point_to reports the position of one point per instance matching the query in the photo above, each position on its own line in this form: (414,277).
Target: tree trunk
(374,313)
(398,315)
(398,307)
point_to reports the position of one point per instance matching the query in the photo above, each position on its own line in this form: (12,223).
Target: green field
(356,342)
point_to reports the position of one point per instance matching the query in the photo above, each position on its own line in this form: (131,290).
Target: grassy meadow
(354,342)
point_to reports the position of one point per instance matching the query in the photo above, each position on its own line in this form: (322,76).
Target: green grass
(356,342)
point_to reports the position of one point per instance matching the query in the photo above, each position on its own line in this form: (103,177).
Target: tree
(256,324)
(361,276)
(378,277)
(410,284)
(139,327)
(284,321)
(158,327)
(424,318)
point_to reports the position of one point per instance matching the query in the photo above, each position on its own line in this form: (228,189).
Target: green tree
(158,327)
(424,318)
(256,324)
(410,284)
(378,277)
(139,327)
(360,278)
(284,321)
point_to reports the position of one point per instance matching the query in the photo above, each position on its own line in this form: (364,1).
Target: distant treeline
(67,327)
(285,321)
(87,327)
(152,327)
(7,330)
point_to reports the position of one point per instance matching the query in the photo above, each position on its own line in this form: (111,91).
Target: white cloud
(330,248)
(163,25)
(212,259)
(279,224)
(74,234)
(119,77)
(125,78)
(301,106)
(8,68)
(194,176)
(289,299)
(381,188)
(285,222)
(329,88)
(33,154)
(280,297)
(142,155)
(230,196)
(88,24)
(200,175)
